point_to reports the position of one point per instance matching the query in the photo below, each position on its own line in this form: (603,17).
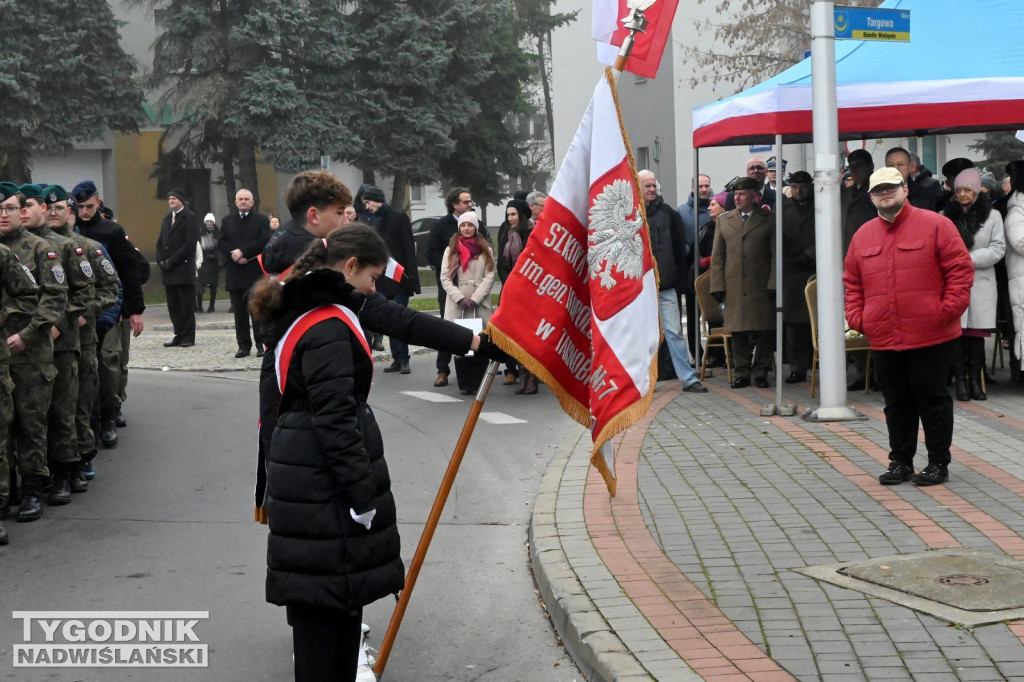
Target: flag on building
(580,309)
(608,30)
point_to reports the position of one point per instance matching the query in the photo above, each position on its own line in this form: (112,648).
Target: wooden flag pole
(435,516)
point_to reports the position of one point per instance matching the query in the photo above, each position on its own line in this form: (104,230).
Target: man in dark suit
(176,256)
(243,235)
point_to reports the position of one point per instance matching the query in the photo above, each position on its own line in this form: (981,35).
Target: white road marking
(431,397)
(500,418)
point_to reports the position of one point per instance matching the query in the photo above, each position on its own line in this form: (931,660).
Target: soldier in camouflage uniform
(106,290)
(32,367)
(18,293)
(62,439)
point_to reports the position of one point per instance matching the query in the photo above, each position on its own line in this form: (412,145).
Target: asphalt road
(168,527)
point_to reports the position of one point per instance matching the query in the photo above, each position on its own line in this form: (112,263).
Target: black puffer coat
(326,457)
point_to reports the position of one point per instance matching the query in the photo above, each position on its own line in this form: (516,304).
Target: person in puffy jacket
(333,546)
(908,280)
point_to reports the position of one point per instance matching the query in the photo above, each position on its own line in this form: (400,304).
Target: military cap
(30,191)
(799,177)
(55,193)
(84,190)
(8,190)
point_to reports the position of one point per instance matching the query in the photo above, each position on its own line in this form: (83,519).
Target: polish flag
(580,309)
(607,29)
(394,270)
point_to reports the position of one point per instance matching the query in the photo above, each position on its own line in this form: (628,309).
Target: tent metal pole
(828,230)
(779,175)
(694,324)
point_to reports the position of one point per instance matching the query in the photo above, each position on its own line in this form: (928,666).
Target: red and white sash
(286,346)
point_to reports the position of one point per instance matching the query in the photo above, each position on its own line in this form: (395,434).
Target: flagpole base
(840,413)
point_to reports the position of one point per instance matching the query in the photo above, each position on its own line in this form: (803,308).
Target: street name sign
(866,23)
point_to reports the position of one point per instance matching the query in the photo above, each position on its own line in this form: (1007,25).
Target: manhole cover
(972,582)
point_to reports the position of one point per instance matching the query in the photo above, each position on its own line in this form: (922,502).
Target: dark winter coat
(122,254)
(798,258)
(925,192)
(504,265)
(396,231)
(668,244)
(326,454)
(285,246)
(743,268)
(176,248)
(251,236)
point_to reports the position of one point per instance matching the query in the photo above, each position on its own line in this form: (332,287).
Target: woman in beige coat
(467,275)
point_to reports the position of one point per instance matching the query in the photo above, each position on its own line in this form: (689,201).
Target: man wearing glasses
(908,280)
(758,170)
(457,201)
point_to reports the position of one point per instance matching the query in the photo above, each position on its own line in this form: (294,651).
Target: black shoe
(78,482)
(260,352)
(976,393)
(933,474)
(86,470)
(119,421)
(211,309)
(187,344)
(405,368)
(108,434)
(393,367)
(796,377)
(199,309)
(961,390)
(173,343)
(60,494)
(695,387)
(896,473)
(243,353)
(760,382)
(466,391)
(377,345)
(4,539)
(741,382)
(30,508)
(855,385)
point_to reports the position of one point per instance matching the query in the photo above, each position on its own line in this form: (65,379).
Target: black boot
(975,363)
(960,369)
(60,493)
(31,507)
(108,430)
(76,477)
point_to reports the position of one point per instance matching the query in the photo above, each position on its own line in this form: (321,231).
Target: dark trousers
(913,383)
(399,348)
(240,303)
(756,344)
(181,306)
(444,360)
(799,347)
(325,642)
(691,327)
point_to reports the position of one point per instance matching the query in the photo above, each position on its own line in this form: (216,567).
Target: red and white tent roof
(963,71)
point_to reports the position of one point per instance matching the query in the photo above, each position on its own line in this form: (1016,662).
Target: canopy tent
(963,71)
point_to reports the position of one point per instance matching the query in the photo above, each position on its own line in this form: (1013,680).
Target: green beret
(32,191)
(55,193)
(8,190)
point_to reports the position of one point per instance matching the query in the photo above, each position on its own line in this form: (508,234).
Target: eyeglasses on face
(883,190)
(10,210)
(756,167)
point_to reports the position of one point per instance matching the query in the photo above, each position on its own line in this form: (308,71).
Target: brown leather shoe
(441,380)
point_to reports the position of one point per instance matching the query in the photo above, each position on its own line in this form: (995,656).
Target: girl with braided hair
(322,481)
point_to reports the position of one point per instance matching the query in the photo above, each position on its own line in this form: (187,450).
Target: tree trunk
(398,192)
(227,160)
(546,86)
(247,171)
(369,178)
(16,166)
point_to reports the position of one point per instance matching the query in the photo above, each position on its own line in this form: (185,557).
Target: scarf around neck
(468,249)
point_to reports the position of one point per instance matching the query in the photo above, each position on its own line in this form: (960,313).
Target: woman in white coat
(467,276)
(1014,225)
(981,228)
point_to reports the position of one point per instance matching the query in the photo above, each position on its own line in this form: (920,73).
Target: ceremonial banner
(580,310)
(608,30)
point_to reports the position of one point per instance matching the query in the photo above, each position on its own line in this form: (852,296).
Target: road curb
(557,523)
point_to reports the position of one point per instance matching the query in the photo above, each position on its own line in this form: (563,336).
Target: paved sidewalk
(690,572)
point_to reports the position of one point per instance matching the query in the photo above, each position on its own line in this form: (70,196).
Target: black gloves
(488,350)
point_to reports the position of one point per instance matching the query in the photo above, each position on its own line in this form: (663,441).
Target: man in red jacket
(908,280)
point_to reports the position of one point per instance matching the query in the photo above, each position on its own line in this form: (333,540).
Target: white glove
(366,518)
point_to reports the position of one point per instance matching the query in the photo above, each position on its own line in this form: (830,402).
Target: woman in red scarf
(467,276)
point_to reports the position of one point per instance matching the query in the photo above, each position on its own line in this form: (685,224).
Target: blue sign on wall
(865,23)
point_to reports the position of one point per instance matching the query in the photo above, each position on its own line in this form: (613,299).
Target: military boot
(76,477)
(60,493)
(31,507)
(108,430)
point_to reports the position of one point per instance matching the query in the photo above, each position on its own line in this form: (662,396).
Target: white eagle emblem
(615,240)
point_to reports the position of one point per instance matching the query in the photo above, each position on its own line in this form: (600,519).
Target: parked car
(420,233)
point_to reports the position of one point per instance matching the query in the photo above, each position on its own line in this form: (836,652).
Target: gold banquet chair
(715,335)
(854,344)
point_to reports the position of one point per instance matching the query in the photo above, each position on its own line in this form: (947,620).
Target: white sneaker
(365,674)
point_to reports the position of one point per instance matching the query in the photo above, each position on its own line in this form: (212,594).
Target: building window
(643,157)
(416,194)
